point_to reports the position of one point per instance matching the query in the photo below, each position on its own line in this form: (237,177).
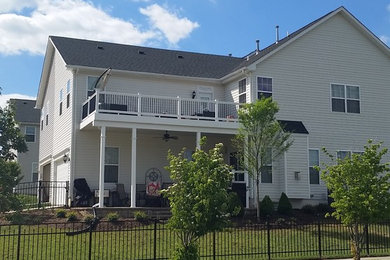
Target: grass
(131,241)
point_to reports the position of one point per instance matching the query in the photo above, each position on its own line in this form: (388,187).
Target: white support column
(101,171)
(133,187)
(198,136)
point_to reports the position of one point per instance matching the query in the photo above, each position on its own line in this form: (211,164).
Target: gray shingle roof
(25,111)
(97,54)
(142,59)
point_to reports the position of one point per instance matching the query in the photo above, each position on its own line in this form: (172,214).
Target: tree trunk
(355,247)
(258,199)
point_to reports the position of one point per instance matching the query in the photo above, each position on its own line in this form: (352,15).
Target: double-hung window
(266,170)
(30,134)
(264,87)
(341,155)
(34,172)
(345,98)
(91,82)
(242,91)
(314,160)
(111,165)
(61,98)
(68,94)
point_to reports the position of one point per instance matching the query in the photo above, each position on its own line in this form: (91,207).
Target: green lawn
(123,241)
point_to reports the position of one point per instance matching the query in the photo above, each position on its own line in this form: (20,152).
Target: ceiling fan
(167,136)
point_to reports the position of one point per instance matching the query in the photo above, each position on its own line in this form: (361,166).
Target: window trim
(61,98)
(257,86)
(308,163)
(345,98)
(68,90)
(351,152)
(112,164)
(245,92)
(32,171)
(35,133)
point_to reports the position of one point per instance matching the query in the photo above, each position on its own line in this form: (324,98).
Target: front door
(239,182)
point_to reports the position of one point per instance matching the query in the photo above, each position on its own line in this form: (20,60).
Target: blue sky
(207,26)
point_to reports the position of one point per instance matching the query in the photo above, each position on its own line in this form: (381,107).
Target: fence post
(67,194)
(90,243)
(39,193)
(268,240)
(18,246)
(214,250)
(367,239)
(319,239)
(155,240)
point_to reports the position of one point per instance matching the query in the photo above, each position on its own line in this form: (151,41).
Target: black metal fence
(132,240)
(43,193)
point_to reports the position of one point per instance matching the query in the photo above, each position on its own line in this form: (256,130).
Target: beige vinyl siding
(334,52)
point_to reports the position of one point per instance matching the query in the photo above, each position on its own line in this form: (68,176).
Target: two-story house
(27,118)
(331,80)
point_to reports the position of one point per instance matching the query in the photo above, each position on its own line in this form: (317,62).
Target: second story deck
(147,109)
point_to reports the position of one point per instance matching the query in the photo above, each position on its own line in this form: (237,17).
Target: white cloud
(5,97)
(16,5)
(385,39)
(78,19)
(173,27)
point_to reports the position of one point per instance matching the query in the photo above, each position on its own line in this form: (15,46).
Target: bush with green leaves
(199,198)
(71,216)
(284,205)
(60,213)
(235,205)
(112,216)
(16,218)
(308,209)
(88,218)
(141,216)
(266,207)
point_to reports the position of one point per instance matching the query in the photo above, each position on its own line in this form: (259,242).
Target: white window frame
(351,152)
(47,113)
(61,98)
(345,99)
(110,164)
(272,175)
(32,171)
(35,133)
(244,92)
(87,88)
(68,93)
(261,91)
(312,166)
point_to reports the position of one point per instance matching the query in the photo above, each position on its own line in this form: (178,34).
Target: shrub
(71,216)
(16,218)
(88,218)
(284,206)
(266,207)
(190,252)
(140,216)
(60,213)
(112,216)
(308,209)
(323,208)
(235,205)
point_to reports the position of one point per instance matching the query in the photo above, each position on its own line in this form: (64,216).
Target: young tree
(199,199)
(11,139)
(260,139)
(360,188)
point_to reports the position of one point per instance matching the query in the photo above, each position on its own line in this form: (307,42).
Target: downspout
(72,151)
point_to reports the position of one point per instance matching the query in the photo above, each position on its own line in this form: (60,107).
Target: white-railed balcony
(104,102)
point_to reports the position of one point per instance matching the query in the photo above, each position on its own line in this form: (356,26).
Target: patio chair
(83,194)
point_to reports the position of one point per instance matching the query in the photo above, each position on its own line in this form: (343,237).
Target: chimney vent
(277,33)
(257,46)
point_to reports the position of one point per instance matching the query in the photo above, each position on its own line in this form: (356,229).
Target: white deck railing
(159,106)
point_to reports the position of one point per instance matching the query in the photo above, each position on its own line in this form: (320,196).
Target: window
(42,117)
(68,94)
(47,112)
(111,165)
(343,154)
(314,160)
(345,98)
(34,172)
(264,87)
(266,171)
(242,91)
(238,171)
(30,134)
(61,97)
(91,82)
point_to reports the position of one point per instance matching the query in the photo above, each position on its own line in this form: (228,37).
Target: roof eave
(45,74)
(149,74)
